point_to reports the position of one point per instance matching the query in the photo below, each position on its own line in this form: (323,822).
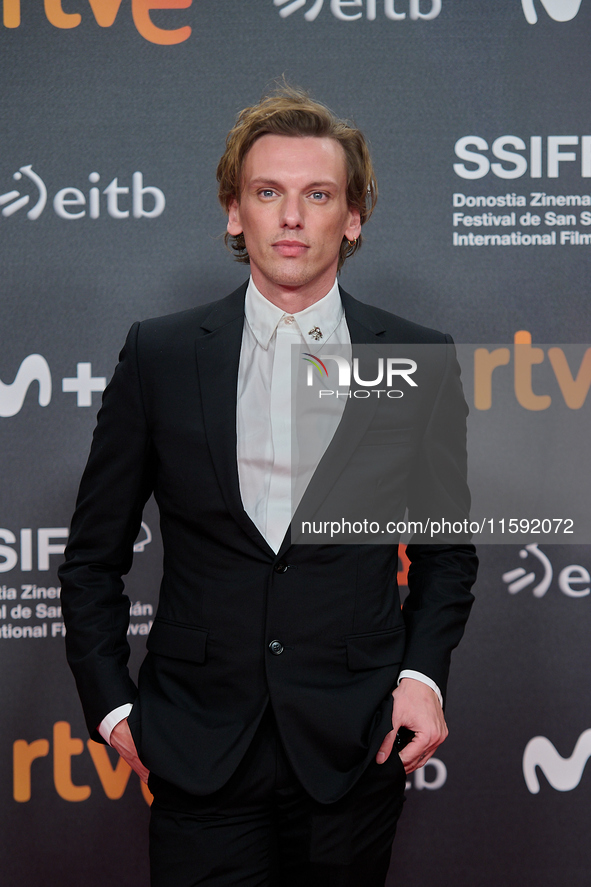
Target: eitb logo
(354,10)
(118,201)
(288,7)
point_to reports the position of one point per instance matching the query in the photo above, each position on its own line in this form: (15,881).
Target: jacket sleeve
(442,569)
(116,483)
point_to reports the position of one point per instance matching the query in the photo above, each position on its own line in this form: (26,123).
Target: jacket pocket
(178,641)
(375,649)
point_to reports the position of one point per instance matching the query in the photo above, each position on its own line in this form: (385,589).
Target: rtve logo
(574,580)
(574,385)
(147,201)
(559,10)
(353,10)
(35,368)
(563,774)
(105,13)
(113,780)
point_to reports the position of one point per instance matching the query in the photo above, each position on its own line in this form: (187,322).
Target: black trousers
(262,828)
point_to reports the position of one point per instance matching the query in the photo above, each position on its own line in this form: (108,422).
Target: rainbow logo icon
(316,362)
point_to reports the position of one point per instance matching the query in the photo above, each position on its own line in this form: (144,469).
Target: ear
(353,229)
(234,227)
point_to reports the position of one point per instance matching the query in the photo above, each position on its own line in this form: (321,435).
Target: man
(272,692)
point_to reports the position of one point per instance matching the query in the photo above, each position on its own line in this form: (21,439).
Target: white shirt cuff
(418,676)
(114,717)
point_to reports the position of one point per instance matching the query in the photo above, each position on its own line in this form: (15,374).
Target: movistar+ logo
(559,10)
(563,774)
(35,368)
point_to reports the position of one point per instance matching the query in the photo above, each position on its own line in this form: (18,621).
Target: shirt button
(289,319)
(280,568)
(276,648)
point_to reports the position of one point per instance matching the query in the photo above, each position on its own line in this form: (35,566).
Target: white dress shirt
(266,463)
(268,457)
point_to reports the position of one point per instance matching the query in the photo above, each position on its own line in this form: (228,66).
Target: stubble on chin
(286,272)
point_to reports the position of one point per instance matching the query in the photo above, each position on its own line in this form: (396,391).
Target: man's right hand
(122,741)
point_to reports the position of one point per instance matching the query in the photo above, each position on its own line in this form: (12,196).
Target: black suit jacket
(168,426)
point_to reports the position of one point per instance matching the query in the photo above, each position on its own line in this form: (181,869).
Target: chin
(289,276)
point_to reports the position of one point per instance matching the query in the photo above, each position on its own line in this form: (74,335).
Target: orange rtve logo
(574,389)
(105,13)
(113,779)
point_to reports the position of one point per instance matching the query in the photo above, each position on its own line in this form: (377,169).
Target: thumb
(386,747)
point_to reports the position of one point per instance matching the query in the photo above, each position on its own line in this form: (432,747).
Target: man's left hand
(416,707)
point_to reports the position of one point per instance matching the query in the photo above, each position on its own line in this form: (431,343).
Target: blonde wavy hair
(290,111)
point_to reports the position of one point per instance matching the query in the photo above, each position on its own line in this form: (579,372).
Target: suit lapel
(218,358)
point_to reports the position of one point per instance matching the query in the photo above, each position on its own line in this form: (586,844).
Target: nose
(291,212)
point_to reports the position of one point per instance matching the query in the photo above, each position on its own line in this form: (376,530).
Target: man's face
(293,213)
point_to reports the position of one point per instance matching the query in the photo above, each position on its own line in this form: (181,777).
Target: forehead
(295,158)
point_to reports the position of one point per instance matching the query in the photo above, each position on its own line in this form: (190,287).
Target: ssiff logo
(352,10)
(559,10)
(563,774)
(21,556)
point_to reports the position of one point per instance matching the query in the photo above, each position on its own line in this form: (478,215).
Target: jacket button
(276,648)
(280,568)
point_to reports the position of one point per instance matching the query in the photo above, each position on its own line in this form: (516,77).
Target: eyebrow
(328,183)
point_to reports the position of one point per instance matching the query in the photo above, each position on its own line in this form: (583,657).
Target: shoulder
(408,332)
(389,327)
(174,330)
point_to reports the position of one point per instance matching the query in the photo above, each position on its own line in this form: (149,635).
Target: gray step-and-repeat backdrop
(114,114)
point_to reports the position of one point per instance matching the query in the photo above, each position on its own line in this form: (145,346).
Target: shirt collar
(263,316)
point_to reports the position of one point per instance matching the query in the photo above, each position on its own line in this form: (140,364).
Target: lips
(290,247)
